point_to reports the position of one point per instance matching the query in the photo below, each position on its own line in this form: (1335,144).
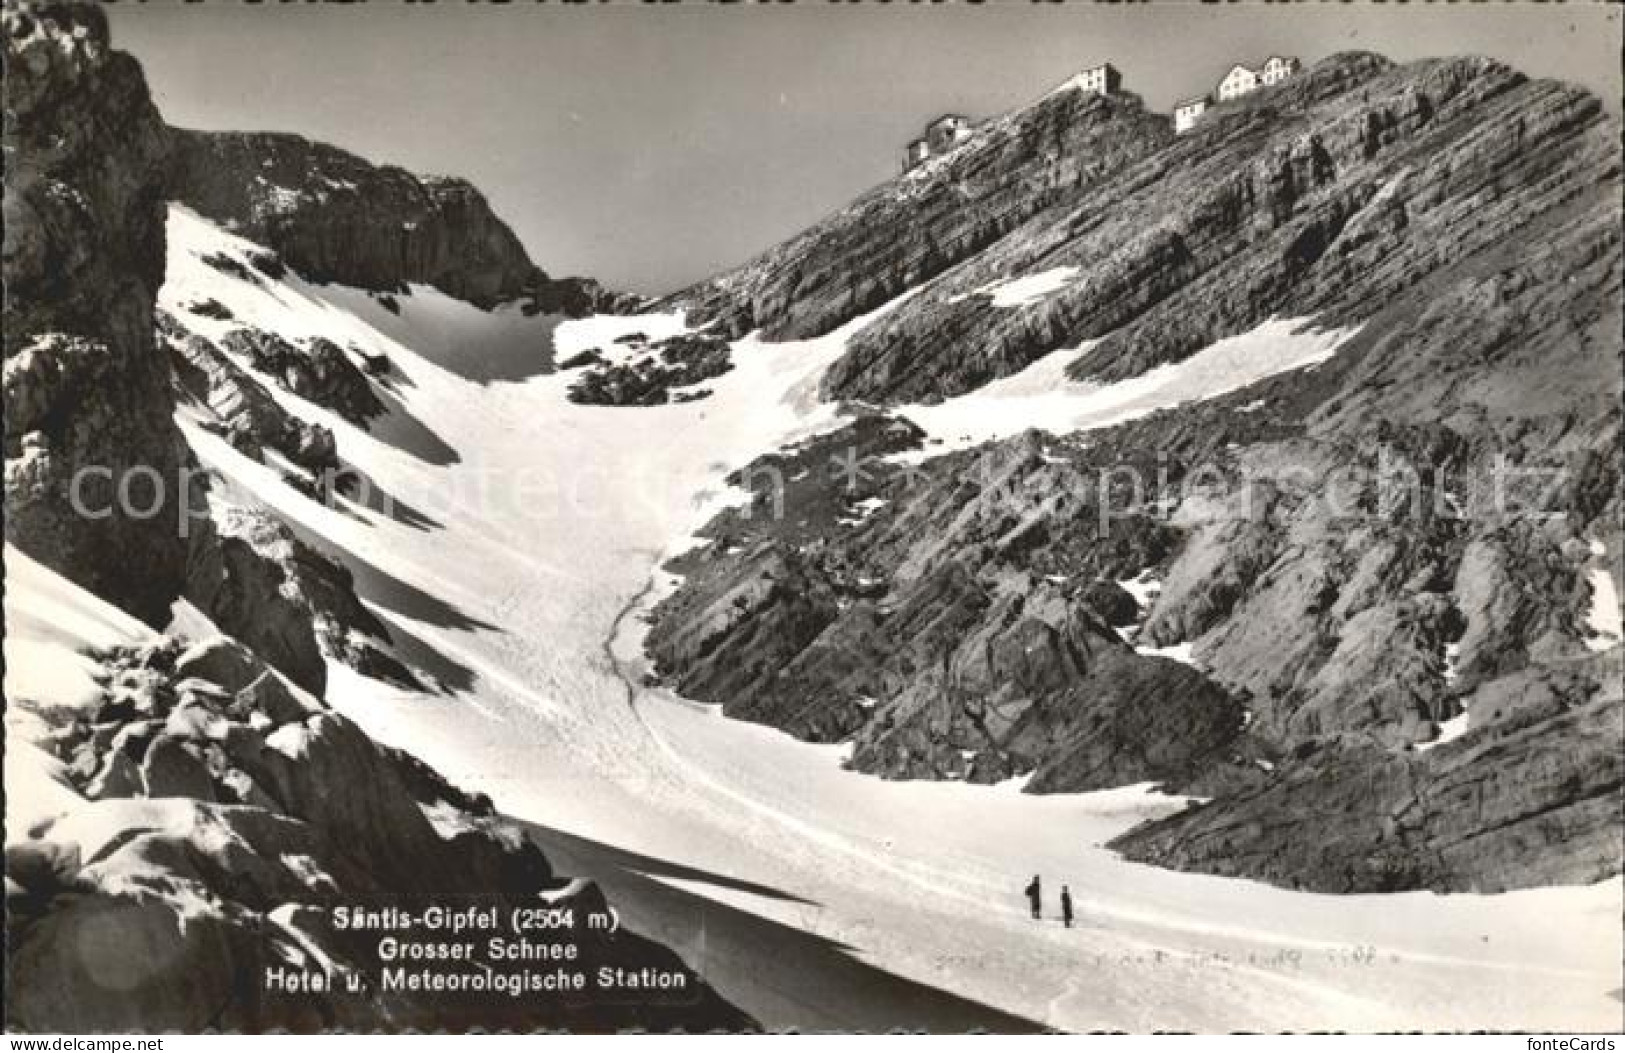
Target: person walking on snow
(1035,896)
(1066,906)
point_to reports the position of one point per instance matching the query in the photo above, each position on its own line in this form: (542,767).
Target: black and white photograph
(1021,517)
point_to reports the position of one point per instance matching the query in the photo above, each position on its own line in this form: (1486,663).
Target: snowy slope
(523,599)
(51,624)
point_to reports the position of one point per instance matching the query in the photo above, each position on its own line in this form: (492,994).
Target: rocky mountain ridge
(1379,567)
(1335,189)
(334,217)
(915,227)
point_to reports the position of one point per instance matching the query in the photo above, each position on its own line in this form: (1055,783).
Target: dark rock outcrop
(319,372)
(1111,603)
(290,603)
(241,409)
(653,377)
(1528,800)
(334,217)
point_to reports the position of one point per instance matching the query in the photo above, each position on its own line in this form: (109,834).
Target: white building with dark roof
(1188,112)
(1244,80)
(1278,68)
(1238,82)
(1103,79)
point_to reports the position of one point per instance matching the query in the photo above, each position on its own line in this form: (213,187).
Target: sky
(652,145)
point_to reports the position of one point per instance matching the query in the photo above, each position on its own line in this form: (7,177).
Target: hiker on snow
(1066,906)
(1035,896)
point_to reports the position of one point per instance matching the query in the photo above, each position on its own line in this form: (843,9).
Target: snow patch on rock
(1043,396)
(1027,289)
(614,336)
(1603,619)
(1449,731)
(1179,652)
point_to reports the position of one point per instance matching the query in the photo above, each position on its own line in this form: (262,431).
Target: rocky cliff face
(333,216)
(1378,571)
(1531,800)
(87,398)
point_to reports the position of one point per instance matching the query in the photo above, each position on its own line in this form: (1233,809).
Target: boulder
(241,587)
(42,868)
(174,767)
(119,776)
(105,963)
(221,661)
(1111,603)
